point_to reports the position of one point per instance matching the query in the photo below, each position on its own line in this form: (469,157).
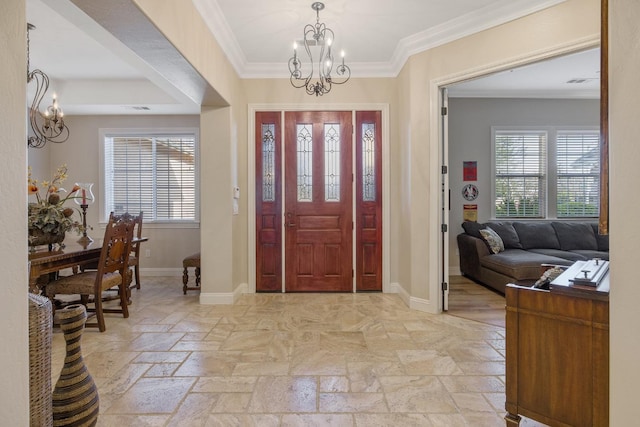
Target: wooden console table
(557,354)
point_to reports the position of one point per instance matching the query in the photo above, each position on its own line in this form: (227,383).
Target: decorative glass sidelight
(305,162)
(369,162)
(332,162)
(268,162)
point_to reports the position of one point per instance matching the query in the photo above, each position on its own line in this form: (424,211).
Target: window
(578,161)
(546,173)
(520,174)
(153,173)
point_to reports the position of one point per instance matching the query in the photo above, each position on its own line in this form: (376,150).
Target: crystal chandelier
(317,39)
(47,125)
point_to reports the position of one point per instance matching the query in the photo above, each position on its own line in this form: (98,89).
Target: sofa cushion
(588,254)
(537,235)
(507,233)
(602,239)
(493,240)
(575,235)
(566,255)
(520,264)
(473,228)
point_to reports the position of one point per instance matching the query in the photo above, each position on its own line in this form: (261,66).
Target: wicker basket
(40,325)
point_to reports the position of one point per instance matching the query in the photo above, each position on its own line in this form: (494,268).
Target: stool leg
(198,276)
(185,279)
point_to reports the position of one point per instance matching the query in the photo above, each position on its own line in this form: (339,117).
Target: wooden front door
(318,222)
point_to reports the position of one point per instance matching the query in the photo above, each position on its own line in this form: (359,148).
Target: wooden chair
(113,271)
(134,256)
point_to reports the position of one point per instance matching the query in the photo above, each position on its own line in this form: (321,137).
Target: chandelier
(47,125)
(317,40)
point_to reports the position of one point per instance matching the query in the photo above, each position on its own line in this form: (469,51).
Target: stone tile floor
(291,360)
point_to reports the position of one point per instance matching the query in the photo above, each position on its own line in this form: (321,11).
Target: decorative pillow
(472,228)
(507,233)
(493,240)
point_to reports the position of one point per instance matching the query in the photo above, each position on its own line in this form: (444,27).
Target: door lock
(289,221)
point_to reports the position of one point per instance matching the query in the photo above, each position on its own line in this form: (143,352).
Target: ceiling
(99,68)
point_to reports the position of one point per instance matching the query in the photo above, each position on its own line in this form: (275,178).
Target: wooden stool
(191,261)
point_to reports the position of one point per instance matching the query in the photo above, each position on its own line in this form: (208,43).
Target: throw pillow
(472,228)
(493,240)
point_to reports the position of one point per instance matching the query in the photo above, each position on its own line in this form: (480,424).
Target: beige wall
(14,355)
(223,133)
(624,152)
(549,32)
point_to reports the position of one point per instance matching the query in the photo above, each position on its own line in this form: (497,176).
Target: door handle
(289,221)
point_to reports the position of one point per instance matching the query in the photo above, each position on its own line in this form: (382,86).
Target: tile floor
(291,360)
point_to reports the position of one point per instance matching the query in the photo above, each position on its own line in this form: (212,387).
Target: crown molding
(485,18)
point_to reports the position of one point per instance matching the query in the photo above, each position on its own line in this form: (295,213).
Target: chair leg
(185,280)
(198,276)
(99,314)
(137,270)
(124,299)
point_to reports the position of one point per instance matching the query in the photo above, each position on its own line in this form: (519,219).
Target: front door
(318,202)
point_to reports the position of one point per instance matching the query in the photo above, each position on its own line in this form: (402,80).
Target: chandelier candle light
(84,198)
(47,126)
(317,38)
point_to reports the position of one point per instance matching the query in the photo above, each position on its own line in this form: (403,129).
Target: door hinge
(445,170)
(443,228)
(445,286)
(443,111)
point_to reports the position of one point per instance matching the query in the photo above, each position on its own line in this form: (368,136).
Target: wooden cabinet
(557,355)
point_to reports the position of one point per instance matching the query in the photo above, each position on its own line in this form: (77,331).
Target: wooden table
(42,261)
(557,354)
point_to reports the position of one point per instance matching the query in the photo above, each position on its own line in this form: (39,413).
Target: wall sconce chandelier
(317,39)
(47,126)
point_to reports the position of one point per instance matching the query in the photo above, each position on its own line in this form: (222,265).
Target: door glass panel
(268,162)
(305,162)
(369,162)
(332,162)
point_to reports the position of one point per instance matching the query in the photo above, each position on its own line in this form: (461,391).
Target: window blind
(520,159)
(153,174)
(578,169)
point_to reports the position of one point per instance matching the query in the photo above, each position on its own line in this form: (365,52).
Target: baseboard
(455,271)
(419,304)
(223,298)
(158,272)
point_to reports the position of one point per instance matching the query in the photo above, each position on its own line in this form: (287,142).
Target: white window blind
(154,174)
(578,170)
(520,159)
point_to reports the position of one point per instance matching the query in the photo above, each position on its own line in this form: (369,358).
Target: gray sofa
(527,246)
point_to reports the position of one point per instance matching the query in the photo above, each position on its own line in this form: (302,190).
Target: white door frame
(437,145)
(251,179)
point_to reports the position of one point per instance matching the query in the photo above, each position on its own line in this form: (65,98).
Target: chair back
(116,246)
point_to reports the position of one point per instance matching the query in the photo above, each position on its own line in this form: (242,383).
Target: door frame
(251,180)
(440,145)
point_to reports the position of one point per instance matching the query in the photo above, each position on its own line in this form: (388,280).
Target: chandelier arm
(321,37)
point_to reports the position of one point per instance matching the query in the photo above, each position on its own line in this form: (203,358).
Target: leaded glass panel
(369,162)
(332,162)
(268,162)
(305,162)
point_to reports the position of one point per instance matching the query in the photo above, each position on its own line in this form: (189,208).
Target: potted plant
(49,219)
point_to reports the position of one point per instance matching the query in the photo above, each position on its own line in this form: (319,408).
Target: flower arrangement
(47,215)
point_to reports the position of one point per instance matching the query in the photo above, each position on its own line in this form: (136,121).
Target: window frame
(551,173)
(149,222)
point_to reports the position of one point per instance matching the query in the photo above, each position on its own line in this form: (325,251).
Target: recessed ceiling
(95,72)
